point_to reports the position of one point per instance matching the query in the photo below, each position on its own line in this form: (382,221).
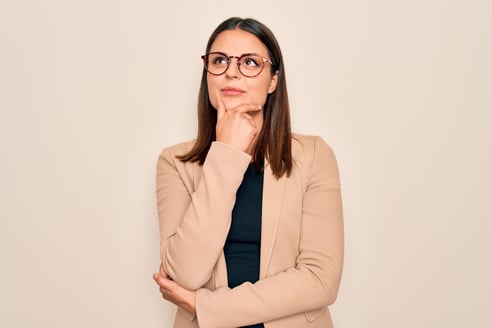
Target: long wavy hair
(274,140)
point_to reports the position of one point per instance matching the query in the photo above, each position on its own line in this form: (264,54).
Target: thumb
(220,109)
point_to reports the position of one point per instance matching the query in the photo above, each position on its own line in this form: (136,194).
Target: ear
(273,83)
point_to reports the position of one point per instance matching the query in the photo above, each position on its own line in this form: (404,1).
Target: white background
(91,91)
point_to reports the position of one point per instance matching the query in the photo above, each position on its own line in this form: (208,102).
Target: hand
(174,293)
(237,127)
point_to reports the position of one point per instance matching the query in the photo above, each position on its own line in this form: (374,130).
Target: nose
(232,71)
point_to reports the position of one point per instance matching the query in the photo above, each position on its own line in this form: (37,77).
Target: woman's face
(232,87)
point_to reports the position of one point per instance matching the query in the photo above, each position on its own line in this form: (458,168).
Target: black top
(242,247)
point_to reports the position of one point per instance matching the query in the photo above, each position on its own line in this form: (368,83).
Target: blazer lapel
(273,191)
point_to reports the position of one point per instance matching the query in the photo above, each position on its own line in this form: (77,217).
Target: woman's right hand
(174,293)
(237,126)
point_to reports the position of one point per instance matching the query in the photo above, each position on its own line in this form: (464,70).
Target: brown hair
(274,141)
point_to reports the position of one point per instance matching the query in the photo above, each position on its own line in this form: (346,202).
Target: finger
(164,293)
(247,108)
(156,277)
(162,281)
(220,108)
(247,116)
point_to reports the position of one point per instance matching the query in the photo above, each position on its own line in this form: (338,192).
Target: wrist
(191,303)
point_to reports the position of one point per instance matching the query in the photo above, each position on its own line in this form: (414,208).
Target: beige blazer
(301,236)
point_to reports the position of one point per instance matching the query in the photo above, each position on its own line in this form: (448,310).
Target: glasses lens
(251,65)
(216,63)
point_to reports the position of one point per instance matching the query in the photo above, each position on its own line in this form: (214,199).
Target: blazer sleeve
(194,224)
(313,282)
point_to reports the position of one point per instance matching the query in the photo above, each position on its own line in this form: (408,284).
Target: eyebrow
(246,53)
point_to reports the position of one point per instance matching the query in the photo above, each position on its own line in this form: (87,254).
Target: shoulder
(182,148)
(307,147)
(168,158)
(316,160)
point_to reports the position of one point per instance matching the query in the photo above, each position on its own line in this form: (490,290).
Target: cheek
(259,92)
(258,98)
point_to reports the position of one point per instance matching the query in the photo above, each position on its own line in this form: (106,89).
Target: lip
(231,91)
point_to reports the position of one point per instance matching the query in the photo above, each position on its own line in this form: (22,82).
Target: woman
(250,214)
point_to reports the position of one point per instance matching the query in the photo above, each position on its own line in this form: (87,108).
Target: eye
(218,59)
(251,61)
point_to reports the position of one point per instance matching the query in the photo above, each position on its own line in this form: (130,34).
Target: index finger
(220,107)
(247,108)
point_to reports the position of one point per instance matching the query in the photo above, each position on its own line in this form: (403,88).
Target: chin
(232,102)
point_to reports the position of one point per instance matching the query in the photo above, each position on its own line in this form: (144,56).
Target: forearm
(301,291)
(194,225)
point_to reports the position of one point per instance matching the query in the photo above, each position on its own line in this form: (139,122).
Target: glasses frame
(238,62)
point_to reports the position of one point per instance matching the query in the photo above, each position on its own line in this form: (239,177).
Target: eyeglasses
(249,65)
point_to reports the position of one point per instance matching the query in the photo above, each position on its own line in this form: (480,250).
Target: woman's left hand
(174,293)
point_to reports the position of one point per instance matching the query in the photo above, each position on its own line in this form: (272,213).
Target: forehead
(237,42)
